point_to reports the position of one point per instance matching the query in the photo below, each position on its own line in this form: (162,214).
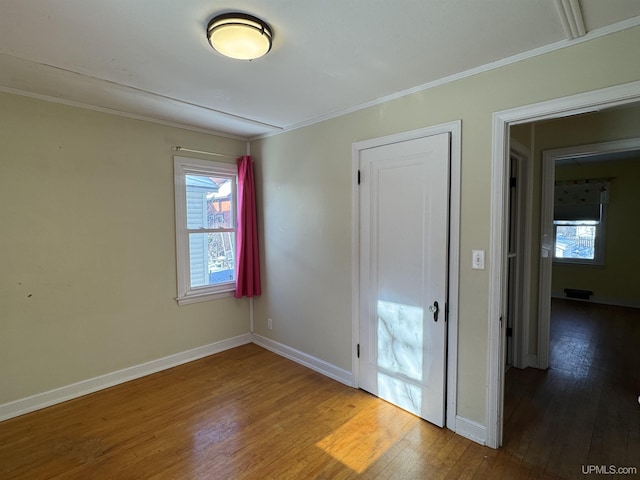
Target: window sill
(204,297)
(578,263)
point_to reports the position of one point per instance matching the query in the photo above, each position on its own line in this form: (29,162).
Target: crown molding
(597,33)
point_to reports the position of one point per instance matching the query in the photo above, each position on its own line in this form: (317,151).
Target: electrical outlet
(269,324)
(477,259)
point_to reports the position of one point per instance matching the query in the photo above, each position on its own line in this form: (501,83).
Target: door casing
(522,281)
(455,130)
(404,225)
(549,159)
(557,108)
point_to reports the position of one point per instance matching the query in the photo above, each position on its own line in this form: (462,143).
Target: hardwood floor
(250,414)
(584,410)
(242,414)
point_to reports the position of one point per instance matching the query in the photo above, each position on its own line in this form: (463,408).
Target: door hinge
(512,182)
(358,177)
(509,332)
(358,350)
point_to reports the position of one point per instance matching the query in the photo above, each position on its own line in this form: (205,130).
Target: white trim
(455,130)
(325,368)
(571,17)
(528,257)
(549,159)
(474,431)
(84,387)
(594,149)
(587,102)
(616,302)
(545,263)
(557,108)
(497,265)
(523,274)
(599,32)
(355,264)
(454,270)
(205,297)
(182,167)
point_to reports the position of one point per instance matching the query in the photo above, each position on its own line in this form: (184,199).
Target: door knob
(434,309)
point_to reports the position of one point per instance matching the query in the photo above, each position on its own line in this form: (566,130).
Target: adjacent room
(585,362)
(305,253)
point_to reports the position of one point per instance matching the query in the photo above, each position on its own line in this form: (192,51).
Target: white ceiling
(151,58)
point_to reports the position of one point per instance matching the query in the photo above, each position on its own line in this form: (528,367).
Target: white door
(404,225)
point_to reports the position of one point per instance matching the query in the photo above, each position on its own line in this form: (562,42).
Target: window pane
(209,202)
(575,241)
(212,258)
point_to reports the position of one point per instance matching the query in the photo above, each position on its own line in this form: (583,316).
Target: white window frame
(598,247)
(191,166)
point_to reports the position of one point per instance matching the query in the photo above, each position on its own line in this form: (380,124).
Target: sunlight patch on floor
(361,441)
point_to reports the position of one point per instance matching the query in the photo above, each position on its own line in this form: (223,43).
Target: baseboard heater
(579,294)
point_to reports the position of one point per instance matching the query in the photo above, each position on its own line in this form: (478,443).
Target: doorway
(593,157)
(582,103)
(381,168)
(586,381)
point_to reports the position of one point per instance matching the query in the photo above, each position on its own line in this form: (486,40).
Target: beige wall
(87,247)
(83,192)
(615,281)
(304,182)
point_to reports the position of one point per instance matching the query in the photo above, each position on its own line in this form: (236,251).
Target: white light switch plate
(477,259)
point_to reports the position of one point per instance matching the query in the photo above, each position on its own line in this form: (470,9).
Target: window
(206,226)
(579,222)
(578,241)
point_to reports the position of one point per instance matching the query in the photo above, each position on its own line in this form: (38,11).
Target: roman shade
(580,200)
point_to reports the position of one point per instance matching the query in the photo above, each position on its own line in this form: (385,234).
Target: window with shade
(206,228)
(579,219)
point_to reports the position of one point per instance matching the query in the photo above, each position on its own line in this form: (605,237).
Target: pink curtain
(247,262)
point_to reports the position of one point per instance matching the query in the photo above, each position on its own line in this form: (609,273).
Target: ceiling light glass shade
(239,36)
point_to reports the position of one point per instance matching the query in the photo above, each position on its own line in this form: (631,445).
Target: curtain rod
(178,148)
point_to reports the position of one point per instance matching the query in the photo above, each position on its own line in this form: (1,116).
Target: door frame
(522,281)
(455,130)
(549,159)
(557,108)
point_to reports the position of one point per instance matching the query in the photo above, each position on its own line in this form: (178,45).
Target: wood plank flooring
(250,414)
(242,414)
(584,410)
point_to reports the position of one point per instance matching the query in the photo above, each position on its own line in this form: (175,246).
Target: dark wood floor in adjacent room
(250,414)
(584,410)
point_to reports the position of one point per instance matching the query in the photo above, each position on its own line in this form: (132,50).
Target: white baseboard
(532,360)
(84,387)
(616,302)
(471,430)
(320,366)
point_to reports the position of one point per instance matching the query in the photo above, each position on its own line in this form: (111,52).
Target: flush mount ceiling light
(240,36)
